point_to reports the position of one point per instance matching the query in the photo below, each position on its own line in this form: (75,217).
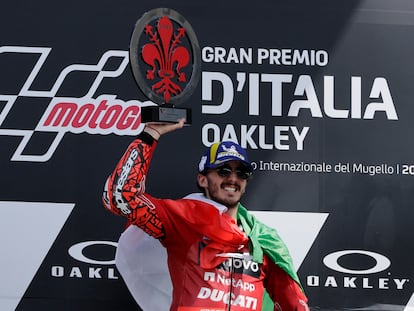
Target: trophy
(165,61)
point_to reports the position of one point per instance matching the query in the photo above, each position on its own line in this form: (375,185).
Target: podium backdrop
(320,93)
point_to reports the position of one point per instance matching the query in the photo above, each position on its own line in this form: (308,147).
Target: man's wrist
(153,132)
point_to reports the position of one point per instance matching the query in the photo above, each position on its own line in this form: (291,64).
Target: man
(219,256)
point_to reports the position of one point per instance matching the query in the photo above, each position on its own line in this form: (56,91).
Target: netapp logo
(95,267)
(91,113)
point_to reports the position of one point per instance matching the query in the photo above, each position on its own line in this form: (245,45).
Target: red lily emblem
(165,53)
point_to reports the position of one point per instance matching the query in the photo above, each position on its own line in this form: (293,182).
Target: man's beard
(229,202)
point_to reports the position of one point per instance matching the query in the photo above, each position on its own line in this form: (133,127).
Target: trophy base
(165,114)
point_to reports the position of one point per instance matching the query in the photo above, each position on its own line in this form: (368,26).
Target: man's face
(223,184)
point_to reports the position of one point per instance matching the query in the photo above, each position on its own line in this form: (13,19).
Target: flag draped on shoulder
(264,239)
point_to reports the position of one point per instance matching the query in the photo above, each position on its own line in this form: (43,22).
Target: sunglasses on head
(242,172)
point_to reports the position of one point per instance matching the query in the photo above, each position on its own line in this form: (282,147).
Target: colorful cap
(222,152)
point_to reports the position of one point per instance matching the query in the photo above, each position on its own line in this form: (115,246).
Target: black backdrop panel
(318,92)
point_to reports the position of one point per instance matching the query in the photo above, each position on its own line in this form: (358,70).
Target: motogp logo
(91,112)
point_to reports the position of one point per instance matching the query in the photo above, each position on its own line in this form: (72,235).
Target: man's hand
(156,130)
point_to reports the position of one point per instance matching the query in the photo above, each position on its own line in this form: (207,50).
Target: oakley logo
(76,251)
(332,261)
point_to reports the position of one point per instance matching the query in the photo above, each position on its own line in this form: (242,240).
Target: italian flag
(142,260)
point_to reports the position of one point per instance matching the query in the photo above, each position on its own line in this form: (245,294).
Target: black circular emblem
(165,56)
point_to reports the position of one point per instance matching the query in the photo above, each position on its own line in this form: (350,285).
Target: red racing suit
(208,259)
